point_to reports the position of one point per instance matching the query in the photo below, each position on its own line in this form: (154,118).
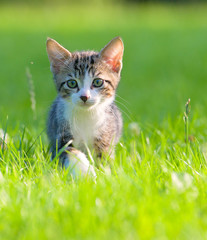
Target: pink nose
(84,98)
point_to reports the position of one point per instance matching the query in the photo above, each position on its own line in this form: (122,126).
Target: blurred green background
(165,58)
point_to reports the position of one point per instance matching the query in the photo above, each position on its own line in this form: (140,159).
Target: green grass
(156,187)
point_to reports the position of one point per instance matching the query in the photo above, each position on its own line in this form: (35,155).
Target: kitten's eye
(72,83)
(97,82)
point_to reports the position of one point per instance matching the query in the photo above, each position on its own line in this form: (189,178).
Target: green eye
(72,83)
(97,82)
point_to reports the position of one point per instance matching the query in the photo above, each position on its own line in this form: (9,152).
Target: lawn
(157,186)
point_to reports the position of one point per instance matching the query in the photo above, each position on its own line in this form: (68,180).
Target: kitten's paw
(78,164)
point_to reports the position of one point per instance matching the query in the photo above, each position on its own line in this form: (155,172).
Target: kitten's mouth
(87,105)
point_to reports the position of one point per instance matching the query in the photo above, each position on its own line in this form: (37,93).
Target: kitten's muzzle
(84,98)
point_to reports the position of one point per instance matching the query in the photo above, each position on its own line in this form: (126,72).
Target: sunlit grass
(153,189)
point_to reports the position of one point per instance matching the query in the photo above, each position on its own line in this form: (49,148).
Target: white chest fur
(84,124)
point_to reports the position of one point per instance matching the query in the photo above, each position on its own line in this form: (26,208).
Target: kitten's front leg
(77,162)
(104,147)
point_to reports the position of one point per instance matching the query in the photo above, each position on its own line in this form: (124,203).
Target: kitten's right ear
(112,54)
(57,54)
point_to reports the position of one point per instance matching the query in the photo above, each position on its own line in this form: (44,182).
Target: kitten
(84,115)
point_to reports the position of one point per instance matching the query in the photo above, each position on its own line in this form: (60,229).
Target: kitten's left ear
(57,54)
(112,54)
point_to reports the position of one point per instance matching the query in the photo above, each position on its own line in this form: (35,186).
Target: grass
(155,188)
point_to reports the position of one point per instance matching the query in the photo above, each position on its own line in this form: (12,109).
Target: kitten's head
(86,79)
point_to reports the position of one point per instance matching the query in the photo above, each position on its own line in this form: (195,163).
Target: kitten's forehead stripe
(82,67)
(83,62)
(76,61)
(92,60)
(90,70)
(77,71)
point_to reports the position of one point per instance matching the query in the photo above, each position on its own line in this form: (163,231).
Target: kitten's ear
(57,54)
(112,54)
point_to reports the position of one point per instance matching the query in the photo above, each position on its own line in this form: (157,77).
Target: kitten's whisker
(123,106)
(129,117)
(122,99)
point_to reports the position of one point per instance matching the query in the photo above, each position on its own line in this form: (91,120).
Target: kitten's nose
(84,98)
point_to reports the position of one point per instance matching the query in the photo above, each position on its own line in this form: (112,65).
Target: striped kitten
(84,115)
